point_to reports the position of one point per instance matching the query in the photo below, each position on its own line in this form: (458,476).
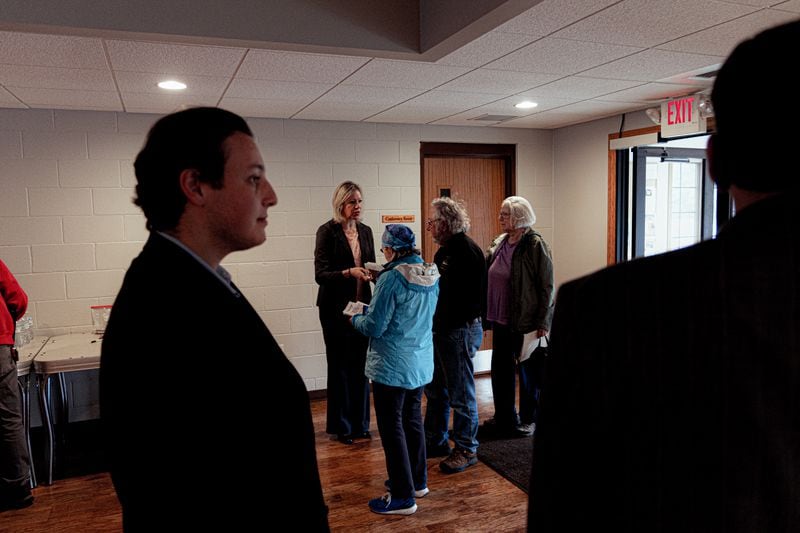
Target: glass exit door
(671,201)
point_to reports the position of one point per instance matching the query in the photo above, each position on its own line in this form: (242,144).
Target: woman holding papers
(519,302)
(343,246)
(399,324)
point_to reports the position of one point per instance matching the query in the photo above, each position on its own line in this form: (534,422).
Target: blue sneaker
(418,493)
(386,505)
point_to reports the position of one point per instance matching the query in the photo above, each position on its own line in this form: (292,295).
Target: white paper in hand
(355,308)
(373,267)
(530,341)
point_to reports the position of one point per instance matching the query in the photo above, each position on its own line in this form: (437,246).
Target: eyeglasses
(430,221)
(504,214)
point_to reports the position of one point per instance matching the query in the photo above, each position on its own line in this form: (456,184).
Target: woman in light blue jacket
(400,363)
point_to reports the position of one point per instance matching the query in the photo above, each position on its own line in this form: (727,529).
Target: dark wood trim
(431,149)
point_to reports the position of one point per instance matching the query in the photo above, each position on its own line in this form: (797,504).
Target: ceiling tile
(756,3)
(599,108)
(164,103)
(651,92)
(561,56)
(500,82)
(485,48)
(66,99)
(451,100)
(549,120)
(652,65)
(354,94)
(408,116)
(167,58)
(253,107)
(9,100)
(276,90)
(580,87)
(505,106)
(320,110)
(792,6)
(296,66)
(721,40)
(651,22)
(461,121)
(51,51)
(57,78)
(404,74)
(551,15)
(147,82)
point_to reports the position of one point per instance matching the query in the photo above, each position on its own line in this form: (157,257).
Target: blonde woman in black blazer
(343,246)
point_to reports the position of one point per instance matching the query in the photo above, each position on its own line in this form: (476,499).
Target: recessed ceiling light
(527,104)
(172,85)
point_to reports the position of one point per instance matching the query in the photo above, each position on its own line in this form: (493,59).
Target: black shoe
(442,450)
(21,501)
(362,435)
(491,430)
(345,439)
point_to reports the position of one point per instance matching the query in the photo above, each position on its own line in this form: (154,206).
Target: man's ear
(191,186)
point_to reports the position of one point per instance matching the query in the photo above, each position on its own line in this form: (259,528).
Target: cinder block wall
(68,228)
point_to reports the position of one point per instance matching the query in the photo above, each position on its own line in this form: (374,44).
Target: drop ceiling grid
(647,23)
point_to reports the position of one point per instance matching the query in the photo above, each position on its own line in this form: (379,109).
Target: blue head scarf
(398,237)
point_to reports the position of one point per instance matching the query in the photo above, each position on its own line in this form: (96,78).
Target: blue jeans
(453,386)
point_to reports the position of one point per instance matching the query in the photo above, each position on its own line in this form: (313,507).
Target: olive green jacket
(531,282)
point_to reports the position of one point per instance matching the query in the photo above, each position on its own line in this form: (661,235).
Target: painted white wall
(68,229)
(580,161)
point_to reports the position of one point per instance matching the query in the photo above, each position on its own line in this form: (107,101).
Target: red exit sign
(680,117)
(680,111)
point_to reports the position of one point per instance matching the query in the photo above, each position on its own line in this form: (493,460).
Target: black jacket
(671,401)
(462,286)
(332,255)
(185,433)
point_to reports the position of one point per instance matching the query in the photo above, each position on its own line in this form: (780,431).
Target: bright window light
(527,104)
(172,85)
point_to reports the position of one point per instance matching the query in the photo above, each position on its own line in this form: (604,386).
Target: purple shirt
(499,292)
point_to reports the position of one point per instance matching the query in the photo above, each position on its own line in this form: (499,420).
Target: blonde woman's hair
(345,190)
(522,215)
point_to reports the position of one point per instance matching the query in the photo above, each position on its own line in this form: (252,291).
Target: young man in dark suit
(671,402)
(184,429)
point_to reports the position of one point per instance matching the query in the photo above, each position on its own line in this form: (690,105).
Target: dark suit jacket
(332,255)
(672,398)
(190,381)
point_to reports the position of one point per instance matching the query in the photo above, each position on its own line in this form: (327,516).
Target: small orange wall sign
(397,219)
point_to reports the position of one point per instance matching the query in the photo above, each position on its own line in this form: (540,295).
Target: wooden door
(481,176)
(478,183)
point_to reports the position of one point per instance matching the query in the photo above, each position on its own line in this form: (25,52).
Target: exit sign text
(680,117)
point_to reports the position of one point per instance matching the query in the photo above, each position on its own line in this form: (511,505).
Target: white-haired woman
(519,301)
(343,246)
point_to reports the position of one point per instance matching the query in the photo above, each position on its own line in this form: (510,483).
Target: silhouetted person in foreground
(671,401)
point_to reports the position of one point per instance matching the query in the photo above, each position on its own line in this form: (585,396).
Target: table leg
(44,401)
(26,422)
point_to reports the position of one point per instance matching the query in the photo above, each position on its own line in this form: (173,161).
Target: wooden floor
(477,499)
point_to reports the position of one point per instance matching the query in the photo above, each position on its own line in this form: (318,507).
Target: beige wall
(68,229)
(580,163)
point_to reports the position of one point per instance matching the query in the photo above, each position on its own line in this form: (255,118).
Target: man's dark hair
(190,139)
(753,102)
